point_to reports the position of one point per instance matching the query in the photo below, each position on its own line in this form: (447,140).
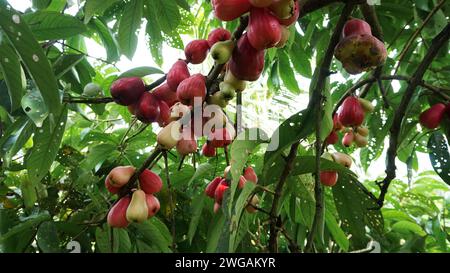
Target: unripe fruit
(218,99)
(283,9)
(246,63)
(361,141)
(228,10)
(220,138)
(120,176)
(191,88)
(208,150)
(153,205)
(147,109)
(150,182)
(348,138)
(212,186)
(337,125)
(220,191)
(111,189)
(178,110)
(285,33)
(350,113)
(343,159)
(216,207)
(366,105)
(168,137)
(239,85)
(137,211)
(217,35)
(327,156)
(187,144)
(291,20)
(250,175)
(252,204)
(177,74)
(196,51)
(261,3)
(164,114)
(263,29)
(221,51)
(328,178)
(433,116)
(92,90)
(356,27)
(364,131)
(228,90)
(164,93)
(117,214)
(332,138)
(126,91)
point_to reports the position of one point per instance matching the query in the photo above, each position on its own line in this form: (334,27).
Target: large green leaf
(53,25)
(12,73)
(15,137)
(440,155)
(286,73)
(26,223)
(47,238)
(93,7)
(33,105)
(46,144)
(65,63)
(198,204)
(216,228)
(154,235)
(128,25)
(108,40)
(167,14)
(32,55)
(141,72)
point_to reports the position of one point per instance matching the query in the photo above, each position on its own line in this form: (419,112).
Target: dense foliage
(58,142)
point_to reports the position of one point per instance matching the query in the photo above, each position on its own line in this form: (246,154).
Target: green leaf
(65,63)
(184,4)
(440,155)
(216,228)
(93,7)
(46,144)
(407,227)
(106,239)
(14,138)
(129,23)
(153,236)
(98,154)
(32,56)
(167,14)
(33,105)
(29,195)
(26,224)
(286,73)
(337,233)
(108,40)
(53,25)
(47,238)
(141,72)
(197,206)
(12,73)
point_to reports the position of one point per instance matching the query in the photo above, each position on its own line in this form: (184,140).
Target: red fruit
(152,204)
(228,10)
(261,3)
(164,93)
(250,175)
(433,116)
(348,138)
(218,35)
(337,125)
(208,150)
(220,191)
(119,176)
(263,29)
(148,108)
(351,114)
(177,74)
(328,178)
(220,138)
(127,91)
(117,215)
(356,27)
(187,144)
(164,114)
(332,138)
(150,182)
(190,88)
(246,63)
(291,20)
(196,51)
(212,186)
(242,182)
(110,188)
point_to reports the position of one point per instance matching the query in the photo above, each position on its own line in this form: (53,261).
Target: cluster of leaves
(55,155)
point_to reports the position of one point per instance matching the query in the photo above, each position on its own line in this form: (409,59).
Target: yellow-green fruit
(343,159)
(252,204)
(283,9)
(227,90)
(364,131)
(361,141)
(221,51)
(285,33)
(169,135)
(366,105)
(137,211)
(217,99)
(92,90)
(238,84)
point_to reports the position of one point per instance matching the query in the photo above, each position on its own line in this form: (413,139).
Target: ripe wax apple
(218,35)
(351,114)
(247,63)
(119,176)
(164,93)
(177,73)
(328,178)
(250,175)
(126,91)
(192,88)
(212,186)
(137,211)
(208,150)
(147,109)
(150,182)
(264,30)
(228,10)
(196,51)
(153,205)
(432,116)
(117,214)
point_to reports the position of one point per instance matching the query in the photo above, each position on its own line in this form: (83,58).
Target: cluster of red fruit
(433,116)
(329,178)
(351,115)
(219,185)
(141,205)
(358,50)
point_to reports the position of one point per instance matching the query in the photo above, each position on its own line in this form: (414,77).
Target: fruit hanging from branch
(192,88)
(264,30)
(169,136)
(117,215)
(127,91)
(196,51)
(177,73)
(247,63)
(221,51)
(283,9)
(119,176)
(228,10)
(432,117)
(350,113)
(218,35)
(137,211)
(150,182)
(147,109)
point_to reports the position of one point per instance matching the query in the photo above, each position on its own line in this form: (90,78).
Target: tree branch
(438,42)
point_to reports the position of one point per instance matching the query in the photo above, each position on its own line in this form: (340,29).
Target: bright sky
(267,121)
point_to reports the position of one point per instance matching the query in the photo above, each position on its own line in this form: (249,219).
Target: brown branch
(438,42)
(88,100)
(317,96)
